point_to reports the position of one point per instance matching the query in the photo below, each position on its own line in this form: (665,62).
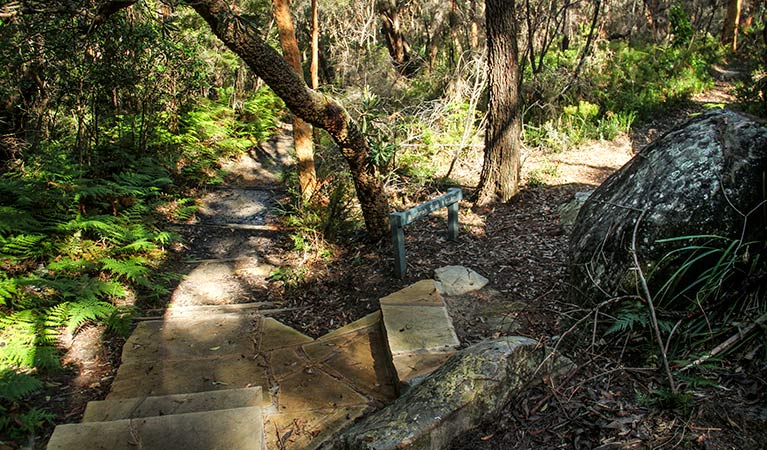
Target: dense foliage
(103,130)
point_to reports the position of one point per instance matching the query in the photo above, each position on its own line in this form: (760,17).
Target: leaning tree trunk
(318,109)
(499,179)
(302,131)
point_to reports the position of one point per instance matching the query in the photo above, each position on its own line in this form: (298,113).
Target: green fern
(16,385)
(13,219)
(631,315)
(75,314)
(133,269)
(24,246)
(26,341)
(7,288)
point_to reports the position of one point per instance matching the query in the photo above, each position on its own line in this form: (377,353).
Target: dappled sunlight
(590,163)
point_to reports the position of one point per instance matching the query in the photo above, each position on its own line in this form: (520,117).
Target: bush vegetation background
(106,134)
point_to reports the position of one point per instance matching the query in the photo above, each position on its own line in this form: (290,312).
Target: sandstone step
(419,332)
(184,355)
(155,378)
(207,335)
(131,408)
(236,428)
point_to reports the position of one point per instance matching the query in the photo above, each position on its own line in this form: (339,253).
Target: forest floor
(522,248)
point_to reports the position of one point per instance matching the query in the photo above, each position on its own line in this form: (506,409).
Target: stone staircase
(228,377)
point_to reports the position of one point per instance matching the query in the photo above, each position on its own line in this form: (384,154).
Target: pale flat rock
(154,378)
(239,428)
(360,358)
(458,280)
(131,408)
(412,367)
(371,320)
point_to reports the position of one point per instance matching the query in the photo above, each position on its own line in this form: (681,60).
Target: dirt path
(233,245)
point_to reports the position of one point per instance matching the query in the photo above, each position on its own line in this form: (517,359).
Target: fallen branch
(735,338)
(651,304)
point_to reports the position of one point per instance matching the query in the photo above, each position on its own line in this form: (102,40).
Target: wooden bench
(398,220)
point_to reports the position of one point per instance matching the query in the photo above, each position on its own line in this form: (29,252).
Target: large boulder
(699,179)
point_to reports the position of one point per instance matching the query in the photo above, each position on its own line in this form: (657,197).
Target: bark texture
(316,108)
(499,179)
(302,131)
(731,24)
(399,49)
(314,69)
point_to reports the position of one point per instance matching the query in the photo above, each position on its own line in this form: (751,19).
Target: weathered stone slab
(372,320)
(239,428)
(175,311)
(418,328)
(154,378)
(421,293)
(314,389)
(307,430)
(472,387)
(131,408)
(412,367)
(362,360)
(284,362)
(273,335)
(458,280)
(192,337)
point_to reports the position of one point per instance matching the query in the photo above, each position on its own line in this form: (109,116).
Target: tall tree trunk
(302,131)
(314,68)
(499,179)
(316,108)
(473,25)
(731,24)
(399,49)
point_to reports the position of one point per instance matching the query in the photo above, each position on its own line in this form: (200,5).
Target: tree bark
(302,131)
(398,47)
(731,24)
(319,110)
(499,179)
(314,68)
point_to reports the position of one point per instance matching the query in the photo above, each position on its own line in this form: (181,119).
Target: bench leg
(452,221)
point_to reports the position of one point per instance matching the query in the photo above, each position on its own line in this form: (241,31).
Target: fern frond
(26,342)
(14,220)
(133,269)
(77,313)
(105,227)
(7,288)
(140,245)
(17,385)
(25,246)
(70,265)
